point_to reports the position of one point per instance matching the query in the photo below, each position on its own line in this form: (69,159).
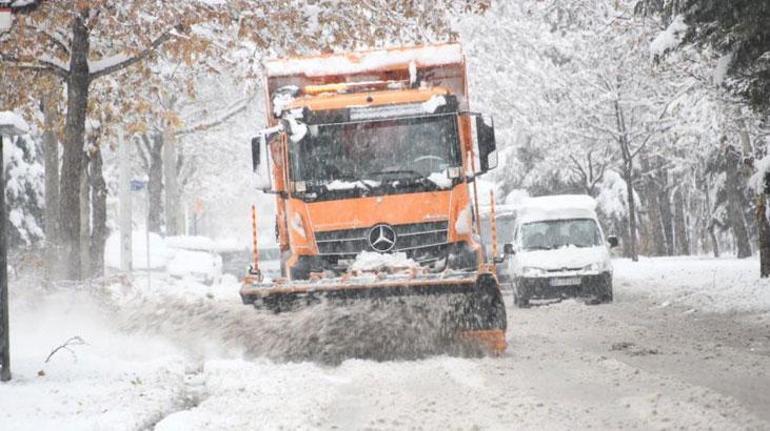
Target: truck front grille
(410,238)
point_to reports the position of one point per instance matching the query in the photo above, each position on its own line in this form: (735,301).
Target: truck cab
(373,152)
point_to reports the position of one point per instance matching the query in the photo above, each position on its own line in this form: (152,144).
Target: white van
(559,251)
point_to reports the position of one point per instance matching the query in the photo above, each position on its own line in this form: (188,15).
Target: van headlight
(596,267)
(532,271)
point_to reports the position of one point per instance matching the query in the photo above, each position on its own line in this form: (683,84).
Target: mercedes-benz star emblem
(382,238)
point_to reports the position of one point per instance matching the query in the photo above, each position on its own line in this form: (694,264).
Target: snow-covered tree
(82,43)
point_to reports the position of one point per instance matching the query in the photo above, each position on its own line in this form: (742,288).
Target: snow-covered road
(658,358)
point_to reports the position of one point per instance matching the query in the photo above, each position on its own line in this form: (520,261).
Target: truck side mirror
(507,251)
(612,241)
(485,136)
(260,158)
(255,147)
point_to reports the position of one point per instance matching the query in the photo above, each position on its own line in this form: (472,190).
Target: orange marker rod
(493,224)
(254,236)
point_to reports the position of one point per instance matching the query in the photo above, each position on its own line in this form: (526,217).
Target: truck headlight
(298,226)
(532,271)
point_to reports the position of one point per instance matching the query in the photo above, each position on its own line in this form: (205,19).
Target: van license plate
(567,281)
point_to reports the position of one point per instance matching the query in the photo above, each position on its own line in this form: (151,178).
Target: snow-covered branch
(54,37)
(228,113)
(45,64)
(121,61)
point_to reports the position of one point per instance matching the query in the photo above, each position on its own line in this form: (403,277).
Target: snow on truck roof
(556,207)
(361,62)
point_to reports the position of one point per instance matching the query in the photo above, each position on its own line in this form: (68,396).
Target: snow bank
(159,253)
(190,242)
(722,285)
(202,265)
(12,124)
(366,61)
(371,261)
(115,381)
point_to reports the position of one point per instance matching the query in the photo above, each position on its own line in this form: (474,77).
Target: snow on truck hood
(566,257)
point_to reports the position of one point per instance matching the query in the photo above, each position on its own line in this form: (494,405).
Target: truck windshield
(551,234)
(373,153)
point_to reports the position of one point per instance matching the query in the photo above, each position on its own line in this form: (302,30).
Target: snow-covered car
(559,250)
(193,257)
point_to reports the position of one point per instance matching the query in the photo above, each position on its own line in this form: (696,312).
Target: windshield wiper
(538,247)
(396,172)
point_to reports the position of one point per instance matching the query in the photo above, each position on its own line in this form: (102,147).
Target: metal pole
(124,197)
(5,347)
(147,240)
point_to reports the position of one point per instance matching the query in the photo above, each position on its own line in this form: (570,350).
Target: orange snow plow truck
(372,157)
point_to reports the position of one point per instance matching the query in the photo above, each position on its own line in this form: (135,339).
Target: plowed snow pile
(212,321)
(714,285)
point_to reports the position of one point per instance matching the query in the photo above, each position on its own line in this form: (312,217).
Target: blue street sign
(137,185)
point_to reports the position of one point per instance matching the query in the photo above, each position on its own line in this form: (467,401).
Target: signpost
(10,125)
(6,20)
(124,195)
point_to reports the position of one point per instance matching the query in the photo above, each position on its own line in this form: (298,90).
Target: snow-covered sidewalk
(174,354)
(718,285)
(116,381)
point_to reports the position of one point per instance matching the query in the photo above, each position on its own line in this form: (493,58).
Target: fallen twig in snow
(74,341)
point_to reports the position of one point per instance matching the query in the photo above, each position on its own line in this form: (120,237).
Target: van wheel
(520,302)
(607,297)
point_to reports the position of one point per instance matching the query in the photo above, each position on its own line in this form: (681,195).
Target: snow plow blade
(477,314)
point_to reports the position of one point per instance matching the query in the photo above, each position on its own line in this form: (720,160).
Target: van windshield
(552,234)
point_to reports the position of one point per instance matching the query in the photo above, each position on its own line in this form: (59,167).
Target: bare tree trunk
(714,241)
(154,147)
(171,181)
(50,107)
(735,205)
(764,235)
(760,214)
(72,162)
(99,208)
(666,217)
(680,224)
(650,193)
(628,176)
(85,223)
